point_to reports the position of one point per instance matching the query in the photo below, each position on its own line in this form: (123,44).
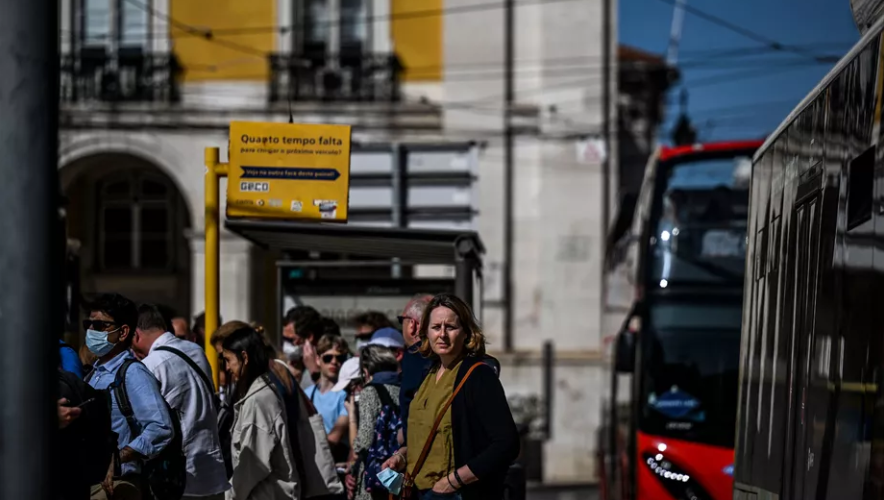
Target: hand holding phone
(66,414)
(84,403)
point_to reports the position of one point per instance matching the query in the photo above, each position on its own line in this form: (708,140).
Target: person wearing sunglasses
(110,330)
(333,351)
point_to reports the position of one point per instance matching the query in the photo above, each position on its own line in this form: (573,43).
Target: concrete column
(160,36)
(65,25)
(381,41)
(284,19)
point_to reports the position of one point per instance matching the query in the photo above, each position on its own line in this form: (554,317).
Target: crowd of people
(418,413)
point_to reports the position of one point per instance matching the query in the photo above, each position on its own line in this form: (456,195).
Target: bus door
(805,374)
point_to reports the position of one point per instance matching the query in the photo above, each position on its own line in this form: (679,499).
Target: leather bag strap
(426,451)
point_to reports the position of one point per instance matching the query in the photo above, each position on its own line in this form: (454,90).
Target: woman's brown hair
(280,371)
(225,330)
(474,345)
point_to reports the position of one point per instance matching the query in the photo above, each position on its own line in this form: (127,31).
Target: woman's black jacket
(484,433)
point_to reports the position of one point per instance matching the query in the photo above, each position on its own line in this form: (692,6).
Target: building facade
(146,85)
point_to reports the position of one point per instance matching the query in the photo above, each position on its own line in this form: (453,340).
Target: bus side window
(860,185)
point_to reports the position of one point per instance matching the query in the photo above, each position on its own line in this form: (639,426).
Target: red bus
(667,428)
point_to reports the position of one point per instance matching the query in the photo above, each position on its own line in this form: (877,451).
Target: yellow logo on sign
(289,171)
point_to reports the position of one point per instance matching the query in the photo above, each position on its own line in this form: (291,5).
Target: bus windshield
(691,364)
(700,236)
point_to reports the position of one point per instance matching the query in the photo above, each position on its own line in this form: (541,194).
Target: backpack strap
(409,478)
(308,402)
(192,365)
(385,397)
(119,391)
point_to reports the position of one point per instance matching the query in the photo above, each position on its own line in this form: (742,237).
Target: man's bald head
(411,317)
(181,329)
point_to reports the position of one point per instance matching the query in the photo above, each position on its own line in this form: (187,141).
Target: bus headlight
(674,479)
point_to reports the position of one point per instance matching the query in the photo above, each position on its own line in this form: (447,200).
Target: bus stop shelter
(461,249)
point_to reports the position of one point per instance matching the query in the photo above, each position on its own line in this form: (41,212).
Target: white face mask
(289,348)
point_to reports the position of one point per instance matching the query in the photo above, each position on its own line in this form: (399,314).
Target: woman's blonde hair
(474,345)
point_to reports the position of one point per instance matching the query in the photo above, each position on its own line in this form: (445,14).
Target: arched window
(136,222)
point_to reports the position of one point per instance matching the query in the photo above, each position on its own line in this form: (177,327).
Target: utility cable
(740,30)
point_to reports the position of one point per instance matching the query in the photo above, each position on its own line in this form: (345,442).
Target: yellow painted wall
(418,40)
(212,60)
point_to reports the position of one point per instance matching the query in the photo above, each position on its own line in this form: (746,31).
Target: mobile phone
(84,403)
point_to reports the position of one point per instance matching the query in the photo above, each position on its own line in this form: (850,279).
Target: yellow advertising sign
(289,171)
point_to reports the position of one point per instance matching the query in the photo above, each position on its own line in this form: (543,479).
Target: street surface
(582,493)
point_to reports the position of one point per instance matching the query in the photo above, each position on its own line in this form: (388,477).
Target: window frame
(116,23)
(136,202)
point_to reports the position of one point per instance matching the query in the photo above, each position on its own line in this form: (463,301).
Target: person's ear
(124,333)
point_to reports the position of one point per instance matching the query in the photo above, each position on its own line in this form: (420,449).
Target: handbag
(408,481)
(320,477)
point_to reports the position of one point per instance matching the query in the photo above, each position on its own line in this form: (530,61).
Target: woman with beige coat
(263,462)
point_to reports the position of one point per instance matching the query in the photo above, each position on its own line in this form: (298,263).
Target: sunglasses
(97,324)
(329,357)
(403,318)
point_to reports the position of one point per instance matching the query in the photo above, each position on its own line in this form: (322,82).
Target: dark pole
(548,386)
(463,280)
(509,100)
(606,132)
(31,251)
(464,270)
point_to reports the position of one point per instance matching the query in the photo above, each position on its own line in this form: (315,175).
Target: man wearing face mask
(302,327)
(109,333)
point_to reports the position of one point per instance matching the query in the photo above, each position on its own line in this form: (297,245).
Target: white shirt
(186,392)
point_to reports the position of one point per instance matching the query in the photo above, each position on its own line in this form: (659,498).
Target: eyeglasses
(327,358)
(97,324)
(403,318)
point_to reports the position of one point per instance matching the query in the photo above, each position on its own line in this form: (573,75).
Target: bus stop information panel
(289,171)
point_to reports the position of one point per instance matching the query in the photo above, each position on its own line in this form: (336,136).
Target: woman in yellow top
(477,440)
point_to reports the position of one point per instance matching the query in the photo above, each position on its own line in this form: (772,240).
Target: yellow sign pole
(214,171)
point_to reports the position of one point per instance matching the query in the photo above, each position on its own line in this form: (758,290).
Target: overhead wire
(747,33)
(204,33)
(210,34)
(491,104)
(727,52)
(492,74)
(738,76)
(549,68)
(771,45)
(417,14)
